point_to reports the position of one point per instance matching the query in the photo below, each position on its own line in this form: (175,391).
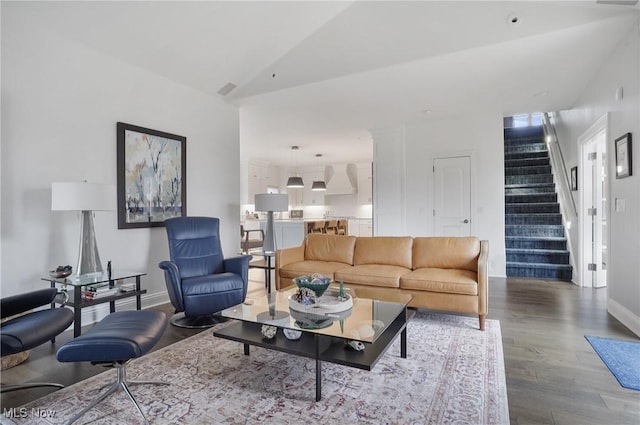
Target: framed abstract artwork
(574,178)
(152,176)
(623,156)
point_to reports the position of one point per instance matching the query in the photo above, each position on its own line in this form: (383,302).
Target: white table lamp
(271,202)
(85,197)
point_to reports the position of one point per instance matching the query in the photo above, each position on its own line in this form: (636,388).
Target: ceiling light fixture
(295,181)
(318,185)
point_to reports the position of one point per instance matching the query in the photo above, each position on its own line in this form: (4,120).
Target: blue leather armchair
(33,328)
(200,281)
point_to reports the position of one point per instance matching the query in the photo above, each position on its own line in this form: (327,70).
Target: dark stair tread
(527,185)
(529,191)
(537,251)
(540,265)
(534,204)
(537,214)
(542,238)
(534,225)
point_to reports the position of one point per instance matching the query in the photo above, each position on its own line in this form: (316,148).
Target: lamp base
(88,256)
(269,244)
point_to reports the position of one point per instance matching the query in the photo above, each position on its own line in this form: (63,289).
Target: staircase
(534,234)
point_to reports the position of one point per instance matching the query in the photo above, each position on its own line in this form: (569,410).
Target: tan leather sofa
(442,273)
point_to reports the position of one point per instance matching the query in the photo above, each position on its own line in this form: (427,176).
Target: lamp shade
(73,196)
(318,185)
(294,181)
(272,202)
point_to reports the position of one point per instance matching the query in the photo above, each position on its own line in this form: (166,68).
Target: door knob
(465,221)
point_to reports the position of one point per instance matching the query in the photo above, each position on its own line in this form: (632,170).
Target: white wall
(60,105)
(622,69)
(403,178)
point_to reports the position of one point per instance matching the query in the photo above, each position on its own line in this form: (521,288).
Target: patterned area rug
(454,374)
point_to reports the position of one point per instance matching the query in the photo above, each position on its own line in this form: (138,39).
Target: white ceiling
(320,74)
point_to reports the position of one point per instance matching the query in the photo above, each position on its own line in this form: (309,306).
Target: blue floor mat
(621,357)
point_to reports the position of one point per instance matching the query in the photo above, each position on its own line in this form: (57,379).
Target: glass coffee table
(325,333)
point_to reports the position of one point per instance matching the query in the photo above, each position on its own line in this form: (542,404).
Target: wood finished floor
(553,375)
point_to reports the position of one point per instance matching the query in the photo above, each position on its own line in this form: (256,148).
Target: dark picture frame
(574,178)
(623,156)
(152,176)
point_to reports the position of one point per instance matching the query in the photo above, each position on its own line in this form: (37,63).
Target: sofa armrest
(483,281)
(285,257)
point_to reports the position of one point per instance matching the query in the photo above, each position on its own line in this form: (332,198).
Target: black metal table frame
(322,347)
(78,303)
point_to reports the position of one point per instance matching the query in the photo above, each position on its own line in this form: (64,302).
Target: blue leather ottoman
(116,339)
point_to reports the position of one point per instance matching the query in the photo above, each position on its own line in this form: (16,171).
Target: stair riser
(520,199)
(528,162)
(535,244)
(528,219)
(552,231)
(539,273)
(509,143)
(549,188)
(524,171)
(538,258)
(523,208)
(525,155)
(529,148)
(529,179)
(520,132)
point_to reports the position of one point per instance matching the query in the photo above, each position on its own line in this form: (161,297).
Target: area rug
(454,374)
(621,357)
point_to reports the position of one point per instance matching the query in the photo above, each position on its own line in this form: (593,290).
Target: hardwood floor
(553,375)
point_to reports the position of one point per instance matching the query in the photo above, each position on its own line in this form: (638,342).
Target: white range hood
(341,179)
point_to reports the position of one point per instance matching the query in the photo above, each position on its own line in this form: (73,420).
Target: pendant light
(318,185)
(295,181)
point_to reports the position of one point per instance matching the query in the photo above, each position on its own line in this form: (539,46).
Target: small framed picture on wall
(623,156)
(574,178)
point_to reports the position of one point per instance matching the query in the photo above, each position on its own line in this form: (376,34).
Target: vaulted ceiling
(321,74)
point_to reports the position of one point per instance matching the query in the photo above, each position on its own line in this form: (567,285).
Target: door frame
(472,184)
(601,125)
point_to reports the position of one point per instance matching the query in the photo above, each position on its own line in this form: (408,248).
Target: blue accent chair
(25,332)
(200,281)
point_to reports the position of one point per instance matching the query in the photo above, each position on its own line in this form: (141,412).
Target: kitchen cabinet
(258,177)
(288,233)
(295,197)
(365,185)
(310,197)
(365,228)
(354,227)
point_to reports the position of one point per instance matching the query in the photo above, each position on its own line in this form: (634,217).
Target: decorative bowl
(317,284)
(291,334)
(59,274)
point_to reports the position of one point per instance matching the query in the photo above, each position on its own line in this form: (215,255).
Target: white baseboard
(625,316)
(98,312)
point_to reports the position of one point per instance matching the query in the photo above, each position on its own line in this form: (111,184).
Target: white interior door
(595,206)
(452,196)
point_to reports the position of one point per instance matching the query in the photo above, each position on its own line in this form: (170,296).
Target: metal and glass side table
(74,286)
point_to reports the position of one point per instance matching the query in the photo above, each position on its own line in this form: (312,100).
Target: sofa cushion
(453,281)
(322,247)
(446,253)
(302,268)
(372,275)
(386,250)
